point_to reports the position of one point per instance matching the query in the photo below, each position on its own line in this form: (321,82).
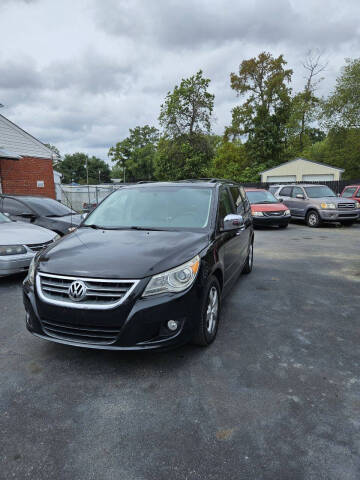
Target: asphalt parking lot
(277,396)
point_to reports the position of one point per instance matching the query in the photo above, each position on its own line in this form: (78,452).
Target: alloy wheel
(212,310)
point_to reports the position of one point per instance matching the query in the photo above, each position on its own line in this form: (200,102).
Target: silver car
(19,242)
(318,203)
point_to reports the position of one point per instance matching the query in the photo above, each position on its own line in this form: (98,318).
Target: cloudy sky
(80,73)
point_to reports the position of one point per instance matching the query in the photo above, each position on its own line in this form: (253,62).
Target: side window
(358,194)
(285,192)
(225,205)
(297,191)
(247,205)
(238,200)
(349,192)
(14,207)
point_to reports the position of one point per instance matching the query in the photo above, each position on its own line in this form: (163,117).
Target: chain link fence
(83,198)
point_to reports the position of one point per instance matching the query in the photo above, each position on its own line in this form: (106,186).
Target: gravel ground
(277,396)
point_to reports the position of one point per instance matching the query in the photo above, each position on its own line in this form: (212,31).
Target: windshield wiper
(135,227)
(92,225)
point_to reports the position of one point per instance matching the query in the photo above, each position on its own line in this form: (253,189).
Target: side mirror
(281,200)
(338,194)
(6,214)
(300,195)
(84,215)
(233,222)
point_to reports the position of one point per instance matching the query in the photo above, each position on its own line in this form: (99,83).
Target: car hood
(268,207)
(124,254)
(21,233)
(75,219)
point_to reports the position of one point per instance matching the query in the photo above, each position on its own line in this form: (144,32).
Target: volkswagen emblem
(77,291)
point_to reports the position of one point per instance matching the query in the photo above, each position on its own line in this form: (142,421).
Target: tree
(56,152)
(179,158)
(187,109)
(305,107)
(186,148)
(73,168)
(263,116)
(136,153)
(342,108)
(229,161)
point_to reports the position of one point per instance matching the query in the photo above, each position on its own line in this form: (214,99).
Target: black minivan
(147,269)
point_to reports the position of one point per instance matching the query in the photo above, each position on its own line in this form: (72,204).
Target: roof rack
(209,180)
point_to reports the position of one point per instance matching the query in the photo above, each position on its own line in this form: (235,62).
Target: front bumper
(10,264)
(339,215)
(137,324)
(271,220)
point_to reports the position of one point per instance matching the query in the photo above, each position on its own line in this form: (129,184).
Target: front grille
(346,205)
(97,293)
(274,214)
(98,335)
(36,247)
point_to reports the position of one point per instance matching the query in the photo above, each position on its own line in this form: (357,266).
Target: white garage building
(301,170)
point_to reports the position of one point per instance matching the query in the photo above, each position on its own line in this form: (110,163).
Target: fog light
(172,325)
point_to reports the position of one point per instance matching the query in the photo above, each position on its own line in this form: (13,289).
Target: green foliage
(186,149)
(341,148)
(265,112)
(342,108)
(136,154)
(73,168)
(187,109)
(181,158)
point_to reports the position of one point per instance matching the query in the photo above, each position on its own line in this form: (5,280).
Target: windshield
(261,196)
(154,207)
(47,207)
(4,218)
(319,191)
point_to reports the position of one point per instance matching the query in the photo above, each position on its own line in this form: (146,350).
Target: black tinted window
(14,207)
(237,199)
(245,199)
(225,205)
(286,191)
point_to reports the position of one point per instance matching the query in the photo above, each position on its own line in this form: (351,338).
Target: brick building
(26,164)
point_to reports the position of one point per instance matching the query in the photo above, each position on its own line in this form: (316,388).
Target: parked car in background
(318,203)
(352,191)
(42,211)
(266,209)
(147,269)
(18,244)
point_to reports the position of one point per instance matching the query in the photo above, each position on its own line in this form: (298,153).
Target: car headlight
(257,214)
(32,270)
(357,204)
(328,205)
(12,249)
(287,212)
(174,280)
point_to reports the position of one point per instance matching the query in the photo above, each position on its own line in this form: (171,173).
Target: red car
(352,191)
(266,209)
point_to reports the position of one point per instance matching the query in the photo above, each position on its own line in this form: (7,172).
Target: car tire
(210,314)
(249,260)
(313,219)
(284,226)
(347,224)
